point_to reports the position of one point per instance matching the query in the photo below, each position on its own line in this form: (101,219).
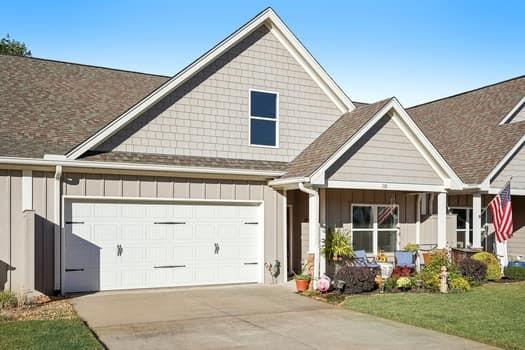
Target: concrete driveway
(251,317)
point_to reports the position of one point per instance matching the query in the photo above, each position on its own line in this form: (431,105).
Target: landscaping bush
(357,279)
(516,273)
(430,273)
(474,271)
(8,299)
(493,267)
(459,284)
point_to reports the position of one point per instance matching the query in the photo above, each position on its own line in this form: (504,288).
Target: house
(112,179)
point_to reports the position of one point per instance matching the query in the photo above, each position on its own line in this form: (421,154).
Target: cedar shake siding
(384,155)
(208,116)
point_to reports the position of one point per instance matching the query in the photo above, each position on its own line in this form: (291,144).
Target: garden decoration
(274,269)
(381,257)
(443,284)
(323,284)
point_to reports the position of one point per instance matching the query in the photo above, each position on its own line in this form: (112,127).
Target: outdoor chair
(404,259)
(360,259)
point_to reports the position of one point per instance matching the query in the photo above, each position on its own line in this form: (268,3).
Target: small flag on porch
(384,214)
(501,209)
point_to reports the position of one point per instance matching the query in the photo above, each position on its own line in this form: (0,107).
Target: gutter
(288,181)
(137,167)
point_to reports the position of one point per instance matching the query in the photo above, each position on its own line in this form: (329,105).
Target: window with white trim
(375,227)
(264,123)
(464,225)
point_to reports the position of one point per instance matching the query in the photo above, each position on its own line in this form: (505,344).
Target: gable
(515,167)
(208,116)
(384,155)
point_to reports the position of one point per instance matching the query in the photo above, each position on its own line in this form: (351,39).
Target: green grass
(493,313)
(55,335)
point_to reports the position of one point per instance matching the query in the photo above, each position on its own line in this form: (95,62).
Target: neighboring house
(112,179)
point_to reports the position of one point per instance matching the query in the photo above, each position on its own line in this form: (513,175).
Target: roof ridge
(468,91)
(86,65)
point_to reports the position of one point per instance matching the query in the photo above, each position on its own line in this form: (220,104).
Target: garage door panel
(109,210)
(181,245)
(205,232)
(105,233)
(183,232)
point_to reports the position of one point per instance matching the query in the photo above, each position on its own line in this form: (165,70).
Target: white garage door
(112,245)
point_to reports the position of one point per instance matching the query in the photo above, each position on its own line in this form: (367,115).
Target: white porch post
(322,231)
(476,220)
(313,228)
(442,220)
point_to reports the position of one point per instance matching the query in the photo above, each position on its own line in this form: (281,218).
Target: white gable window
(264,115)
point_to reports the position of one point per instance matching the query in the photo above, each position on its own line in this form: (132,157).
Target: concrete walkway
(245,317)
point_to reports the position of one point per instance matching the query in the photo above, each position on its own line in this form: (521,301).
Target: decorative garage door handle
(74,222)
(251,263)
(251,223)
(170,223)
(71,270)
(217,248)
(119,250)
(168,266)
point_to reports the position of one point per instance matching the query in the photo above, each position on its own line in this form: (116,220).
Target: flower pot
(427,257)
(302,285)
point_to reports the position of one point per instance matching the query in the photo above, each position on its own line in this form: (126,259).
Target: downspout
(313,228)
(58,232)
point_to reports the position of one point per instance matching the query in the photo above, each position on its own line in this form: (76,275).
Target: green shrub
(516,273)
(430,273)
(8,299)
(493,267)
(459,284)
(337,244)
(358,279)
(474,271)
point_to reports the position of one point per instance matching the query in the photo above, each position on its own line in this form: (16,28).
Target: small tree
(9,46)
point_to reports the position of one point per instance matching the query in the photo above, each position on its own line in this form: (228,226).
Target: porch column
(322,230)
(313,227)
(442,220)
(476,220)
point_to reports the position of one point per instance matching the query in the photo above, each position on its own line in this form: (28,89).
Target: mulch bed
(43,308)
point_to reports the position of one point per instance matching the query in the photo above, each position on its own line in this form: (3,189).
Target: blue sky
(415,50)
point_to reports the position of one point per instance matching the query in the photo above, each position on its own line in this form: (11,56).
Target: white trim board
(269,18)
(383,186)
(411,130)
(138,167)
(508,117)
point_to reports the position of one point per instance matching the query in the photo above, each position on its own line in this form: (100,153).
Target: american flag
(384,214)
(501,209)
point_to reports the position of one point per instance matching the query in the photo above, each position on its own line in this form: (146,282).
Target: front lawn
(50,334)
(493,313)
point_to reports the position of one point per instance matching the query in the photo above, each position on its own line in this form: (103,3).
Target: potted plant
(302,280)
(336,246)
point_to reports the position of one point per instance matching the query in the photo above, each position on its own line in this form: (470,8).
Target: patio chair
(404,259)
(360,259)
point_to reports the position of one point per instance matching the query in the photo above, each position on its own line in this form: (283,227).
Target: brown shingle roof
(464,128)
(50,107)
(332,139)
(165,159)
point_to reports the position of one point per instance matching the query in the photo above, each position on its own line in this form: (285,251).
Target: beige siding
(516,245)
(515,168)
(387,156)
(187,188)
(208,115)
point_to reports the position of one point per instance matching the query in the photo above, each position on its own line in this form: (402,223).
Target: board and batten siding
(515,167)
(12,230)
(127,186)
(385,155)
(209,114)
